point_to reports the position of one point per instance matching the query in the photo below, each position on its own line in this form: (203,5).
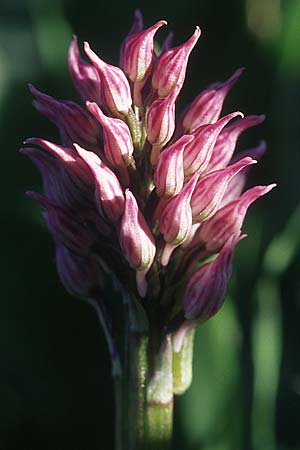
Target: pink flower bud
(74,123)
(115,90)
(205,292)
(160,121)
(169,174)
(198,153)
(138,53)
(57,185)
(207,106)
(136,241)
(237,183)
(227,139)
(68,157)
(169,71)
(137,27)
(66,226)
(175,221)
(210,189)
(229,219)
(80,275)
(85,77)
(109,196)
(118,146)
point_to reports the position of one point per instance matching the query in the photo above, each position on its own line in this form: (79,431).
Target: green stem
(160,400)
(144,385)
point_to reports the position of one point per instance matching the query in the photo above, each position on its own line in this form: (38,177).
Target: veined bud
(228,220)
(137,27)
(69,159)
(160,121)
(198,153)
(136,241)
(138,53)
(115,90)
(118,146)
(175,221)
(80,275)
(227,139)
(169,174)
(207,106)
(66,226)
(169,71)
(57,185)
(205,292)
(236,185)
(84,76)
(74,123)
(209,191)
(109,196)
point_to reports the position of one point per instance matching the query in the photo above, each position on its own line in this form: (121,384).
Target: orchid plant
(148,206)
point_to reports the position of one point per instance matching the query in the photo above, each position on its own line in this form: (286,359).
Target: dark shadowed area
(55,386)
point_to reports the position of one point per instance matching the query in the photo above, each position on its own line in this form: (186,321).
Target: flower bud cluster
(132,194)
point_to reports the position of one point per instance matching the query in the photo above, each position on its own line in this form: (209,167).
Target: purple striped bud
(115,90)
(227,140)
(198,153)
(209,191)
(138,53)
(169,71)
(175,221)
(74,123)
(229,219)
(80,275)
(84,76)
(205,292)
(160,121)
(109,196)
(118,146)
(237,183)
(57,185)
(137,27)
(207,106)
(66,226)
(169,174)
(136,241)
(69,159)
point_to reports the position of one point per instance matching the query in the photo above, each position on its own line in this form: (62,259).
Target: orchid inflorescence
(134,194)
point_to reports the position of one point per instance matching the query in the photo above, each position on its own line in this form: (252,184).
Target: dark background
(55,386)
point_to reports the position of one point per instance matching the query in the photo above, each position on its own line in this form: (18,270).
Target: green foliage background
(55,387)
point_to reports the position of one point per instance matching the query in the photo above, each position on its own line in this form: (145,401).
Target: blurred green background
(55,386)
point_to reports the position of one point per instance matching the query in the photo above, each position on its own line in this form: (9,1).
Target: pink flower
(229,219)
(206,289)
(198,153)
(160,121)
(207,106)
(84,76)
(133,195)
(115,90)
(136,240)
(227,139)
(109,196)
(175,220)
(169,173)
(118,146)
(80,275)
(138,55)
(169,71)
(74,123)
(209,191)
